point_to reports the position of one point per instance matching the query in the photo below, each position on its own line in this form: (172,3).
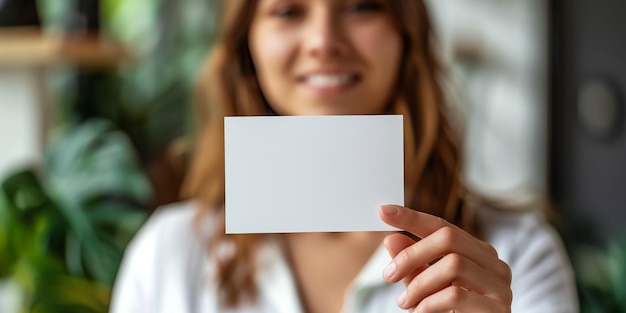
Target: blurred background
(95,105)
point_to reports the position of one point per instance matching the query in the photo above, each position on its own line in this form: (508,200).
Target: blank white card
(312,173)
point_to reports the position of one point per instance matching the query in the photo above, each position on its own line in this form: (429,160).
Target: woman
(309,57)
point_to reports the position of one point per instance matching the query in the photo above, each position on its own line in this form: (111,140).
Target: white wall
(21,118)
(498,51)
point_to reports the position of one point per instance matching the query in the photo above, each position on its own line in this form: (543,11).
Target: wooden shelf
(25,47)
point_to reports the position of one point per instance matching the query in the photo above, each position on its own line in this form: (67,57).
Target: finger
(454,270)
(418,223)
(394,244)
(457,299)
(449,238)
(441,243)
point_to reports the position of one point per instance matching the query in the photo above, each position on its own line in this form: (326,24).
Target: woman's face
(325,56)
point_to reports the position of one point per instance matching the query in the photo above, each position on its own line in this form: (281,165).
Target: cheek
(382,45)
(271,54)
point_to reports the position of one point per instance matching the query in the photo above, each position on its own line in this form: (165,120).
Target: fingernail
(402,300)
(390,210)
(390,270)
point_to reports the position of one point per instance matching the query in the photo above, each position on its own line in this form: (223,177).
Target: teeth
(328,80)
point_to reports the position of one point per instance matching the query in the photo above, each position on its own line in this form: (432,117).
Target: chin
(328,108)
(337,110)
(318,111)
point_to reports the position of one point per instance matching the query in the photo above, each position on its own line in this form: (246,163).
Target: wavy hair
(228,86)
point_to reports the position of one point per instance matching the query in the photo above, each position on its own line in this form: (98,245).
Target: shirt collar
(275,279)
(277,283)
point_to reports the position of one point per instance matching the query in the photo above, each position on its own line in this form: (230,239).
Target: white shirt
(167,268)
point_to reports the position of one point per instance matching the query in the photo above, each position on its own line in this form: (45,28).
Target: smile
(330,80)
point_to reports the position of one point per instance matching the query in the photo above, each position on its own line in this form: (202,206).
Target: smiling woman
(310,57)
(315,58)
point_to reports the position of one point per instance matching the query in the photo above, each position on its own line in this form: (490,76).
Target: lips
(329,82)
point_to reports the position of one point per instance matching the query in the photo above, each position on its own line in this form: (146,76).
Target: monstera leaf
(63,232)
(95,179)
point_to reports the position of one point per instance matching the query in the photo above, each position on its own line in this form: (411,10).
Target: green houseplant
(601,275)
(63,230)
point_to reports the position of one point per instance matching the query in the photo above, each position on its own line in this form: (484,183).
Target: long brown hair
(228,87)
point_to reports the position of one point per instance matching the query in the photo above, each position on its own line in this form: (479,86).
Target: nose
(325,37)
